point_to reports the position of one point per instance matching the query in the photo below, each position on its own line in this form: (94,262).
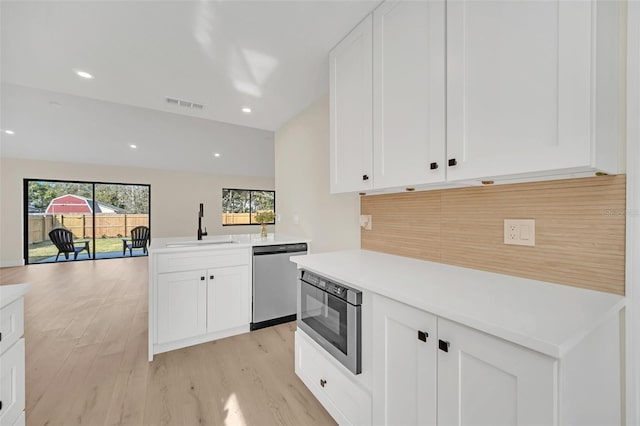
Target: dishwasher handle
(277,249)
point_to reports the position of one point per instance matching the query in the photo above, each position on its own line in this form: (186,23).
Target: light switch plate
(520,232)
(365,221)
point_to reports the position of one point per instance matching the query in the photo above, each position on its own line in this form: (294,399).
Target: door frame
(632,338)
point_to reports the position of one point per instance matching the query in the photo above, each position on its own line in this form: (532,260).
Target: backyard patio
(105,248)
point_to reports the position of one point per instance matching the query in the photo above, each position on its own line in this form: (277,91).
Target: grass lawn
(42,250)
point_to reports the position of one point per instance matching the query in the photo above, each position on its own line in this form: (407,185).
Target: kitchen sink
(199,243)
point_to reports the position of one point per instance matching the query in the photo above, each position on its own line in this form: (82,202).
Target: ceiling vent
(183,103)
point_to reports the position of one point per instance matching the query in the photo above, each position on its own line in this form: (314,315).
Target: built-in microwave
(330,313)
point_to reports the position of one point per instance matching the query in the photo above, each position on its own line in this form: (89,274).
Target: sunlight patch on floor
(234,413)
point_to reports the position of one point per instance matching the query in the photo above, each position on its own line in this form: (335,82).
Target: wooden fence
(238,218)
(235,218)
(107,225)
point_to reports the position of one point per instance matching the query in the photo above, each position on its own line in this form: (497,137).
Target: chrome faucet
(200,216)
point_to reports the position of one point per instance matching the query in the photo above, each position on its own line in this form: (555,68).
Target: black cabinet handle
(211,277)
(443,345)
(422,335)
(323,382)
(202,278)
(433,166)
(365,177)
(453,162)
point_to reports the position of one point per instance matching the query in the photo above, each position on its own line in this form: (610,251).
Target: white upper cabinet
(351,111)
(408,93)
(521,88)
(426,92)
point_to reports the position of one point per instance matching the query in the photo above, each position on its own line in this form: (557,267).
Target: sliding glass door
(96,219)
(119,209)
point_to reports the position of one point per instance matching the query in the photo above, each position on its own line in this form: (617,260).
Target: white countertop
(234,241)
(545,317)
(11,293)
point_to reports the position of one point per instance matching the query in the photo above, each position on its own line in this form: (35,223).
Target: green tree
(41,193)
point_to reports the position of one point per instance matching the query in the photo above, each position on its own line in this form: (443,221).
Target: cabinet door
(518,86)
(351,110)
(182,305)
(228,298)
(408,93)
(484,380)
(404,366)
(12,383)
(11,323)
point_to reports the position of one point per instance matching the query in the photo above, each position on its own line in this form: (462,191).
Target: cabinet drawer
(12,383)
(11,324)
(201,260)
(347,402)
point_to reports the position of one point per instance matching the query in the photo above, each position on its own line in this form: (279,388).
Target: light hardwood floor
(86,358)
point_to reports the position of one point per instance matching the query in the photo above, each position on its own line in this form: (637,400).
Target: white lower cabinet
(12,355)
(182,305)
(190,305)
(227,296)
(196,302)
(346,401)
(428,371)
(484,380)
(12,383)
(404,364)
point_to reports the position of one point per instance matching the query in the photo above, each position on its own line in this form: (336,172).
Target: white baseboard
(11,263)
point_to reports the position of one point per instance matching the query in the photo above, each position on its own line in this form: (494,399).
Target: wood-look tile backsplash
(580,229)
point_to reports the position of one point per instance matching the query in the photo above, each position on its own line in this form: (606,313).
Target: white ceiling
(271,56)
(59,127)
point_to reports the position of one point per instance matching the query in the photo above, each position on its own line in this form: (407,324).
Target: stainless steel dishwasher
(275,279)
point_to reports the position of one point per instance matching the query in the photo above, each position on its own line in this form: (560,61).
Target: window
(99,215)
(248,207)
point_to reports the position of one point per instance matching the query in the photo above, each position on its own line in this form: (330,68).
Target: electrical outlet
(520,232)
(365,221)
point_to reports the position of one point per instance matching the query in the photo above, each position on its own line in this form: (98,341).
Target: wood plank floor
(86,358)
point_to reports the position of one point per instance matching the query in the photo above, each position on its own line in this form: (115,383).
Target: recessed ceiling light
(84,74)
(10,132)
(132,146)
(216,154)
(246,110)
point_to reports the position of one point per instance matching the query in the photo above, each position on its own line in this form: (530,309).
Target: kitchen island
(200,290)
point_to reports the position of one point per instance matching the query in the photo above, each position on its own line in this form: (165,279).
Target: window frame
(251,191)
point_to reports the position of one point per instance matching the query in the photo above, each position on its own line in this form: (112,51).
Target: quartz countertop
(545,317)
(11,293)
(221,242)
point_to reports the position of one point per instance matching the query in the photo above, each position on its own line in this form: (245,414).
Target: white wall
(302,184)
(175,197)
